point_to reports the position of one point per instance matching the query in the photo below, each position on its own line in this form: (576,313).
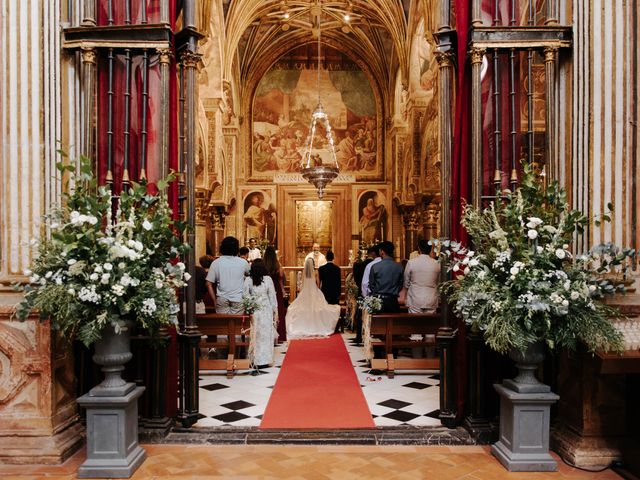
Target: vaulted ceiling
(372,32)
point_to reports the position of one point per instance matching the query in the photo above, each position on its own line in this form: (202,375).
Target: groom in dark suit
(330,280)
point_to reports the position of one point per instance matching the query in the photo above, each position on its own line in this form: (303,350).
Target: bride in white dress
(310,315)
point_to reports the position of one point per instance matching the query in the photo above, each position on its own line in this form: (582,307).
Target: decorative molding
(190,59)
(477,54)
(295,178)
(89,55)
(164,55)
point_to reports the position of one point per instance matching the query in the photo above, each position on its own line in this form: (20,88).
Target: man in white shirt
(318,258)
(227,272)
(375,254)
(254,251)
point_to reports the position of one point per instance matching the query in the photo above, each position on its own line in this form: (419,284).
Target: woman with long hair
(310,315)
(263,332)
(276,272)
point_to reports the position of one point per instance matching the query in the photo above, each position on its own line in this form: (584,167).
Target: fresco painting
(285,99)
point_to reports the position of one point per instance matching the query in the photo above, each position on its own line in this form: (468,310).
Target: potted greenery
(106,265)
(523,288)
(103,265)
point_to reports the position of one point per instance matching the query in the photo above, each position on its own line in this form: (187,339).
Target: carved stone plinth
(38,415)
(524,431)
(112,436)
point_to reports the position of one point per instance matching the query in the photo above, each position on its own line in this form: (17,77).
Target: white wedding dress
(310,315)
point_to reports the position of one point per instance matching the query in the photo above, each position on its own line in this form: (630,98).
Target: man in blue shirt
(227,272)
(385,280)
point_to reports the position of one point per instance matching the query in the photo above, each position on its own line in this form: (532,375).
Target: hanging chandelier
(319,165)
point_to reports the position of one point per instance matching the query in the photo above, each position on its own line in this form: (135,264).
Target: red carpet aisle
(317,388)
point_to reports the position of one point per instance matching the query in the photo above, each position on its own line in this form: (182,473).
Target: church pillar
(217,218)
(164,56)
(200,245)
(89,13)
(550,68)
(189,336)
(476,126)
(430,220)
(445,91)
(410,218)
(88,87)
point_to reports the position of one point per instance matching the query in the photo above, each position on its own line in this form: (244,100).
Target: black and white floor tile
(407,399)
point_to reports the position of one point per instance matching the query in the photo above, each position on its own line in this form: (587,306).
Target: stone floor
(312,462)
(411,398)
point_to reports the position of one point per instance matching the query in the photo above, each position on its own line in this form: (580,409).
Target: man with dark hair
(201,282)
(244,253)
(254,251)
(359,269)
(227,272)
(386,279)
(330,280)
(374,253)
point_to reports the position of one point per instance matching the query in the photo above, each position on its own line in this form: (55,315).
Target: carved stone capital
(89,55)
(164,55)
(190,59)
(476,54)
(445,59)
(411,218)
(550,54)
(217,215)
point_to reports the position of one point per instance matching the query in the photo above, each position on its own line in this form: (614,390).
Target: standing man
(421,281)
(374,254)
(358,274)
(330,280)
(227,272)
(386,279)
(318,258)
(254,251)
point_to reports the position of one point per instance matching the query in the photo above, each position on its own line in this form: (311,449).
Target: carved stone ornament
(477,54)
(550,54)
(164,55)
(445,59)
(190,59)
(217,216)
(89,56)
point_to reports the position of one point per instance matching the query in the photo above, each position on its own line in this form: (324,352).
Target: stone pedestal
(112,435)
(38,414)
(524,431)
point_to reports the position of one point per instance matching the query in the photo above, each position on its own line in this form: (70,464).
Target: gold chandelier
(319,165)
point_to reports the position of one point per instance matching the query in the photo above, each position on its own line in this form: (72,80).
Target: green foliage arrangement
(521,283)
(101,266)
(371,304)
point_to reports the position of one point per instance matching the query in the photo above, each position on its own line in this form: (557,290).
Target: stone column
(476,126)
(164,55)
(217,217)
(550,68)
(89,71)
(410,220)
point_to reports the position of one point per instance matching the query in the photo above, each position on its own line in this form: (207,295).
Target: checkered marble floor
(408,399)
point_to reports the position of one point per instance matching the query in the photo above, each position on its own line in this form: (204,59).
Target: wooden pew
(229,326)
(395,328)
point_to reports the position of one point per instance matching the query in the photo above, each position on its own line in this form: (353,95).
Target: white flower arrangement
(522,283)
(99,266)
(250,304)
(370,303)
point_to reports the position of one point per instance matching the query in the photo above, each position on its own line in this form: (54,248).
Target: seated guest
(244,253)
(330,280)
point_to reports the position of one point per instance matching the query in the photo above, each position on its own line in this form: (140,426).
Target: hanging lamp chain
(319,33)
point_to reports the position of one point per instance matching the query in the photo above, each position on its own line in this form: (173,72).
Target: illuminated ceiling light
(286,15)
(347,17)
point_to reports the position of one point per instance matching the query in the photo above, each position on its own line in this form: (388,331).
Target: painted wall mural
(372,214)
(259,215)
(285,99)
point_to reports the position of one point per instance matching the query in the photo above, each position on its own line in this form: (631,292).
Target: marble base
(524,431)
(112,436)
(592,452)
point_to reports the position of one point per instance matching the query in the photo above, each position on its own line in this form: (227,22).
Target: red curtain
(460,188)
(153,123)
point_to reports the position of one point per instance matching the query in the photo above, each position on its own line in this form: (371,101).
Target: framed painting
(372,213)
(259,214)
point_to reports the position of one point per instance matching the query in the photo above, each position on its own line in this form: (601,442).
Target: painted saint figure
(372,221)
(254,218)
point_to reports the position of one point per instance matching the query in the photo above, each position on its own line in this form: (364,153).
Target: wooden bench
(394,329)
(229,326)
